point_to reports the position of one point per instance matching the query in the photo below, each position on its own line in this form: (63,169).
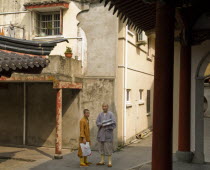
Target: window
(148,101)
(149,50)
(128,98)
(48,24)
(148,46)
(139,36)
(140,39)
(141,94)
(128,95)
(141,101)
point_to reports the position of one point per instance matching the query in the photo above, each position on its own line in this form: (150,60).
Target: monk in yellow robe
(84,137)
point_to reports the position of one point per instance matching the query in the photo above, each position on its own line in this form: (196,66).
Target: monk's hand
(84,140)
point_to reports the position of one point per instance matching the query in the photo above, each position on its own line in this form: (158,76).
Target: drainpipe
(30,32)
(125,85)
(82,46)
(18,12)
(24,113)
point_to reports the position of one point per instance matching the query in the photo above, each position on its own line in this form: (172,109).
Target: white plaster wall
(140,75)
(137,117)
(101,29)
(26,20)
(70,30)
(21,20)
(198,52)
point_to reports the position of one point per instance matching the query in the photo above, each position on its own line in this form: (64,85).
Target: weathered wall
(11,114)
(63,66)
(95,92)
(101,31)
(22,19)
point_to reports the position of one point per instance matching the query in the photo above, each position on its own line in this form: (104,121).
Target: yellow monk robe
(84,133)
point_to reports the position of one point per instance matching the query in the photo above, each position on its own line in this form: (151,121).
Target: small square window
(139,36)
(141,94)
(128,93)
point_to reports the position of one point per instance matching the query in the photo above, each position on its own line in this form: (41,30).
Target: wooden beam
(67,85)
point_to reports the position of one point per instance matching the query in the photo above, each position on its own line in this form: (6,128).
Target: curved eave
(136,13)
(21,63)
(27,46)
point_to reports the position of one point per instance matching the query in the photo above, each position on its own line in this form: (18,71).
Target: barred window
(48,24)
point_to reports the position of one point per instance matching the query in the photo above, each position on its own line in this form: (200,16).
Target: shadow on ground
(7,155)
(124,159)
(128,157)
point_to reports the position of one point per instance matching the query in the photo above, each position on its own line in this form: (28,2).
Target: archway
(202,74)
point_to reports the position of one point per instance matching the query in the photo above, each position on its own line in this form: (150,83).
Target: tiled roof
(22,63)
(24,56)
(45,2)
(27,46)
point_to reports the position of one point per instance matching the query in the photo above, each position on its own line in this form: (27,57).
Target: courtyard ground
(136,156)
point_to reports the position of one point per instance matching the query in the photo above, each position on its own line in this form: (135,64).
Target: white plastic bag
(86,151)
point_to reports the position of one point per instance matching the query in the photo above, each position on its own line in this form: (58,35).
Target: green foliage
(68,50)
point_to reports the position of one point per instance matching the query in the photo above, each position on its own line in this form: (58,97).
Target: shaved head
(105,107)
(105,104)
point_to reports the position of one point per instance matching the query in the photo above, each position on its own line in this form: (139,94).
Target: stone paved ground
(177,166)
(133,157)
(41,158)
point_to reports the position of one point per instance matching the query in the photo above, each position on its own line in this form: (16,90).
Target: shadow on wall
(40,114)
(11,113)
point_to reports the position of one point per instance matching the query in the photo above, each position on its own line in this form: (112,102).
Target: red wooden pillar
(163,87)
(184,98)
(58,139)
(183,153)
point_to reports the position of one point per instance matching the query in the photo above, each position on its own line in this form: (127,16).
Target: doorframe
(199,117)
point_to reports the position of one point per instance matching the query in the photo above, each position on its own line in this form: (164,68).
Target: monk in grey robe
(106,124)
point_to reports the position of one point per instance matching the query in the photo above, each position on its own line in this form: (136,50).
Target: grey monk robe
(105,134)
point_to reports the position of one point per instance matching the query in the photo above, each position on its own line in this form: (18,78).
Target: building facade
(135,75)
(111,63)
